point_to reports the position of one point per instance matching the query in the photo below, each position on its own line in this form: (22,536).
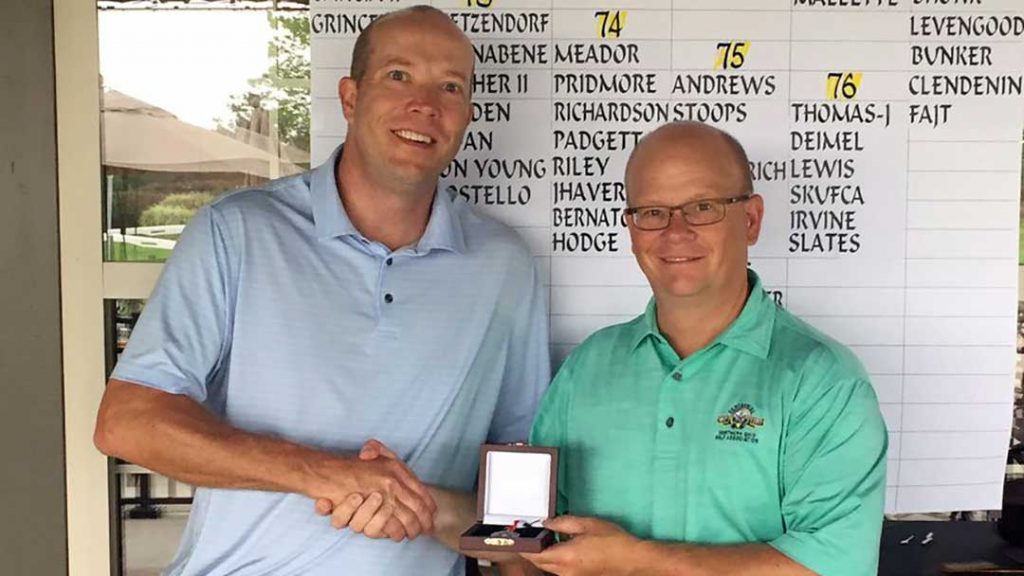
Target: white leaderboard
(884,135)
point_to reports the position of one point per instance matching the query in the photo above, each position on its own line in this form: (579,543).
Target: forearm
(456,512)
(668,559)
(175,436)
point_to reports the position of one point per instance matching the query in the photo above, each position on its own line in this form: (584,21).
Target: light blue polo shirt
(276,314)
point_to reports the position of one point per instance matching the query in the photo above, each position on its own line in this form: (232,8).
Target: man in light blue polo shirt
(716,433)
(298,320)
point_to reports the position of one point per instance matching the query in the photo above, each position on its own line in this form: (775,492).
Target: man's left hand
(597,547)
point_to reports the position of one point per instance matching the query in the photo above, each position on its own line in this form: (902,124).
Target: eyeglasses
(696,213)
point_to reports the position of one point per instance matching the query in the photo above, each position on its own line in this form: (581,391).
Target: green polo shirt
(771,433)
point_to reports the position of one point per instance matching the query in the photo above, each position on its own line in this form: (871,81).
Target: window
(198,99)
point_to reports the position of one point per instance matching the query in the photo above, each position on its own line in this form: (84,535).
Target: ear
(754,213)
(348,91)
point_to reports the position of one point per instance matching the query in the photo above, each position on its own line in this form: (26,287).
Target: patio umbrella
(288,153)
(140,136)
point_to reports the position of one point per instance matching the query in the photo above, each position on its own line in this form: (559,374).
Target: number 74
(610,23)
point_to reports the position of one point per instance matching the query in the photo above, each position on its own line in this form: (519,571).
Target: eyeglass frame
(723,202)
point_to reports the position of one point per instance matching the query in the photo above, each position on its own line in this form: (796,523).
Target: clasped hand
(385,500)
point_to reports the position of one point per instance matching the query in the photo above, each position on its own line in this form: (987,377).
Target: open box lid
(517,482)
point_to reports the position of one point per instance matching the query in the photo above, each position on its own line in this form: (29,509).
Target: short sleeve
(834,479)
(183,333)
(527,368)
(550,427)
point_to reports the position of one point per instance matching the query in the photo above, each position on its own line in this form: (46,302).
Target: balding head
(364,43)
(697,142)
(699,177)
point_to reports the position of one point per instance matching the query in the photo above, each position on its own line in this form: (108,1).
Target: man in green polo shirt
(716,433)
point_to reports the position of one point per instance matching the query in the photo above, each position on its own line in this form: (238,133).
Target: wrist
(649,558)
(456,511)
(325,475)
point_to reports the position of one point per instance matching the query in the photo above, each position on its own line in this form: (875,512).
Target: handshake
(377,496)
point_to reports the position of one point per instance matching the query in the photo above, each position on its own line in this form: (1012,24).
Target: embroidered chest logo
(740,417)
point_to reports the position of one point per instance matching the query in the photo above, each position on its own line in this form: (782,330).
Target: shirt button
(388,261)
(389,298)
(677,376)
(670,422)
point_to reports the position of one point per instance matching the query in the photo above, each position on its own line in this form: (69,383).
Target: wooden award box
(515,493)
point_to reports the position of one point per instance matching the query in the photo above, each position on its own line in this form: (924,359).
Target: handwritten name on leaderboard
(881,3)
(847,3)
(511,23)
(539,53)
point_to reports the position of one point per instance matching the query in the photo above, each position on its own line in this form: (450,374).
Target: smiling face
(678,164)
(407,113)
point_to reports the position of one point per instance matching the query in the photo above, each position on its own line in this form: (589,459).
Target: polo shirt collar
(648,325)
(444,229)
(328,213)
(443,232)
(750,332)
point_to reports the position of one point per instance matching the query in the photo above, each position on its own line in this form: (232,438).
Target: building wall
(32,496)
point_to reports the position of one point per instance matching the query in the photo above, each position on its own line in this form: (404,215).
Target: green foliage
(174,209)
(160,215)
(191,201)
(124,252)
(284,87)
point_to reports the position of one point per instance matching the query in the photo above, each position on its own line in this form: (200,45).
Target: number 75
(731,55)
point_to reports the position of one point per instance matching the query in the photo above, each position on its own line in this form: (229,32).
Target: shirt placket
(669,452)
(387,292)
